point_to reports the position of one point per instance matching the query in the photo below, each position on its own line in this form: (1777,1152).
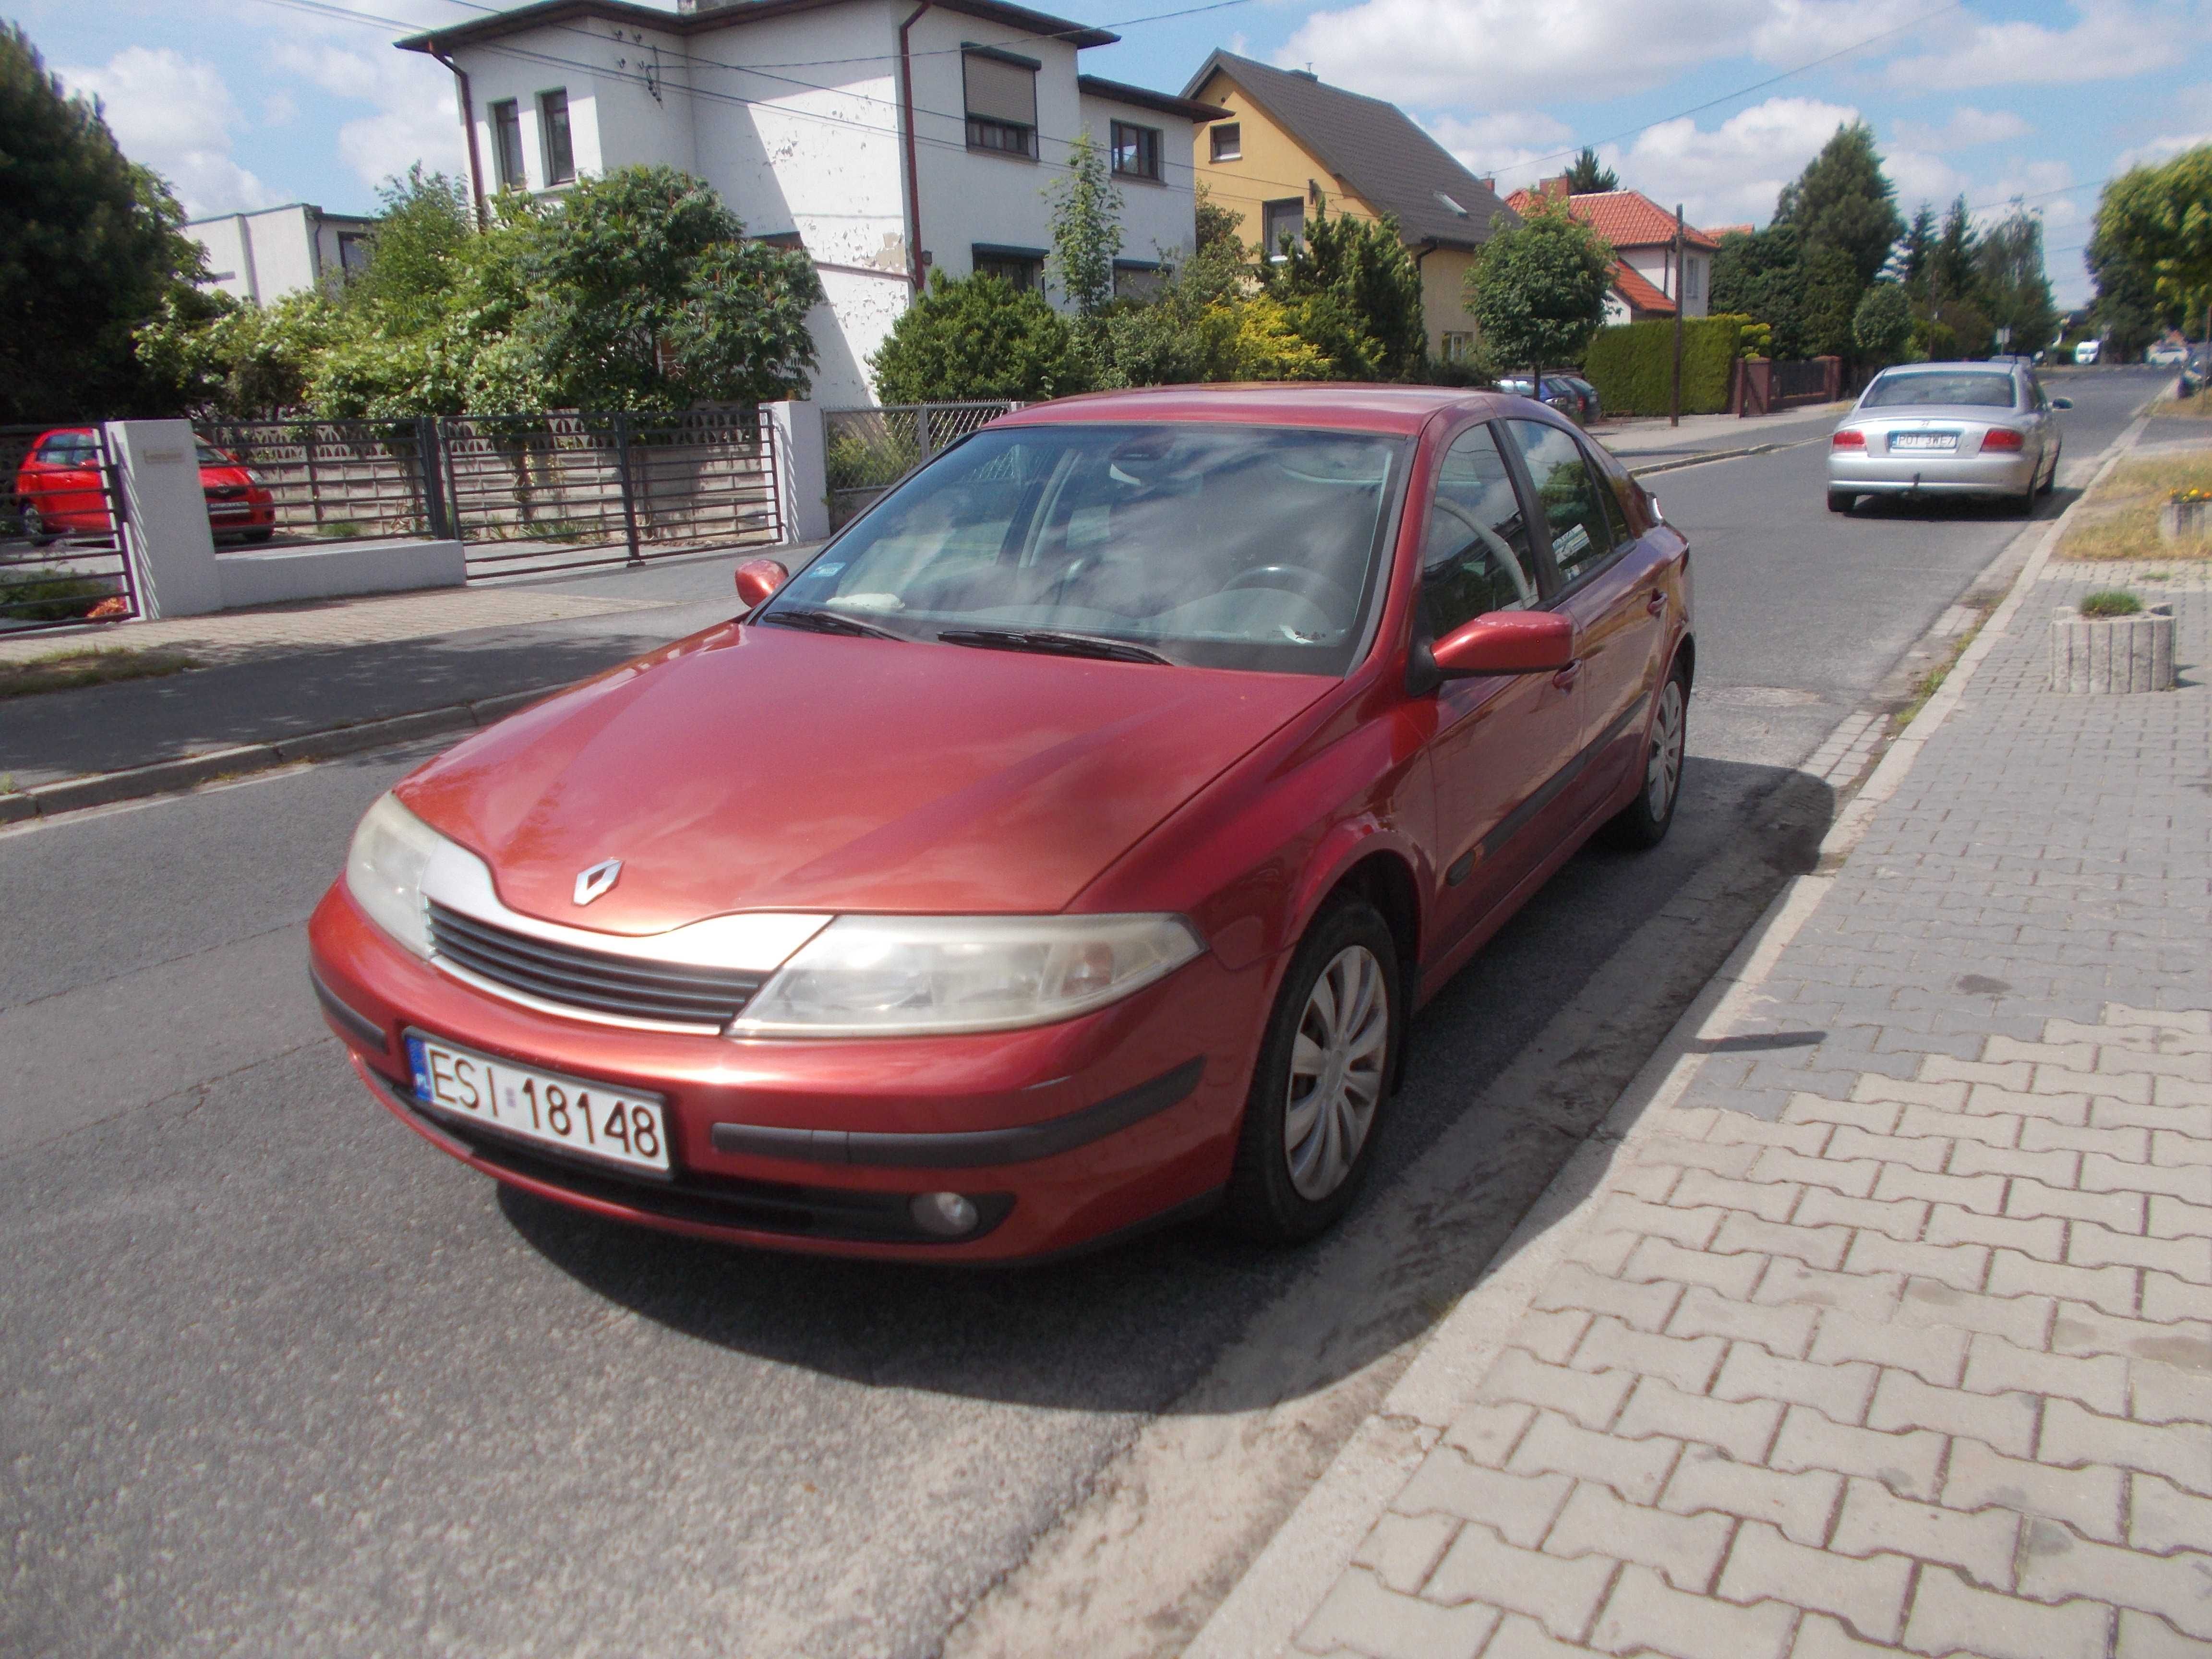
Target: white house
(887,138)
(265,256)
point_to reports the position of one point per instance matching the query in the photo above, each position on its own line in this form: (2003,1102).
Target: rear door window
(1573,502)
(1475,556)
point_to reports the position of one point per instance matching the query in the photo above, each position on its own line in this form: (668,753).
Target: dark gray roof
(707,18)
(1144,98)
(1376,149)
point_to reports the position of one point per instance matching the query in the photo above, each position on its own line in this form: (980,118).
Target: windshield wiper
(1054,643)
(830,622)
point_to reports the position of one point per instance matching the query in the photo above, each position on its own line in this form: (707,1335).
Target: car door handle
(1565,678)
(1657,603)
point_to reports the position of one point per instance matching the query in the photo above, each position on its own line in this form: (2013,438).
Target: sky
(1713,104)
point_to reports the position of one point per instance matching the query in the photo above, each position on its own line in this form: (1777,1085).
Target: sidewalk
(1643,441)
(286,672)
(1879,1315)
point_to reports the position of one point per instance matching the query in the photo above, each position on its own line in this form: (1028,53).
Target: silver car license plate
(1923,440)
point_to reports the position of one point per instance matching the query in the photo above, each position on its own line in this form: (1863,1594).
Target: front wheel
(1643,821)
(1842,500)
(1325,1067)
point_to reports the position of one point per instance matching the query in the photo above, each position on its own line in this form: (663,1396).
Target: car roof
(1986,366)
(1342,406)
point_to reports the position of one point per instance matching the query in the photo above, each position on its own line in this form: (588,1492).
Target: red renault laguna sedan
(1061,851)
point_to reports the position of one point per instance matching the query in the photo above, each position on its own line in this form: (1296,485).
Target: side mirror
(1507,642)
(2062,403)
(759,578)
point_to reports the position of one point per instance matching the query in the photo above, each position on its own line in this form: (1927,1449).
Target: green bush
(43,595)
(977,337)
(857,463)
(1632,366)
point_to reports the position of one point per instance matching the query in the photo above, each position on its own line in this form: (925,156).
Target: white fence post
(802,480)
(172,549)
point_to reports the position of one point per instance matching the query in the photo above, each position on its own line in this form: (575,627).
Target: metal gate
(341,480)
(64,558)
(867,451)
(535,493)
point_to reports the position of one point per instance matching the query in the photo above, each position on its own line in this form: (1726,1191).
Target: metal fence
(77,569)
(867,451)
(570,491)
(341,480)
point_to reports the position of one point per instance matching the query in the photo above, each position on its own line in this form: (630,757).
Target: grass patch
(2119,520)
(2112,602)
(49,595)
(2183,408)
(66,670)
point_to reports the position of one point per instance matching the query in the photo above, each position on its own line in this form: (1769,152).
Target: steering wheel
(1501,554)
(1308,585)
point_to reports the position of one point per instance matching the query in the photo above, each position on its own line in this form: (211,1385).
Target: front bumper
(1924,473)
(1063,1134)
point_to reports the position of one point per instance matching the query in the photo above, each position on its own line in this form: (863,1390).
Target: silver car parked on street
(1947,429)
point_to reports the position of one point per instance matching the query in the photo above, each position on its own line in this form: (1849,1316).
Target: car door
(65,477)
(1609,583)
(1500,739)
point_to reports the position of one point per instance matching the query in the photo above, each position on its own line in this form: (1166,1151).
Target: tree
(1537,289)
(1588,176)
(2011,284)
(1881,327)
(1760,274)
(1843,200)
(2155,223)
(2127,310)
(643,294)
(1352,290)
(979,336)
(1086,229)
(91,248)
(233,358)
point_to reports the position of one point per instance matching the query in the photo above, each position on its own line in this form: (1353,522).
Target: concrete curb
(1711,455)
(1287,1580)
(164,777)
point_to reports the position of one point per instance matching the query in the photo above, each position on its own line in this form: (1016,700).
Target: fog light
(944,1215)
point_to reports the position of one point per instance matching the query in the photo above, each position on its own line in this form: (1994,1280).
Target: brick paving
(1896,1335)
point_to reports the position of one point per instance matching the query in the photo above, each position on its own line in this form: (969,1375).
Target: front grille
(625,987)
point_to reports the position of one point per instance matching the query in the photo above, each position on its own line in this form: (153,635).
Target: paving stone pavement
(1897,1335)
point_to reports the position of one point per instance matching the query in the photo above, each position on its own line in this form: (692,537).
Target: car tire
(2051,478)
(34,526)
(1842,500)
(1292,1177)
(1644,823)
(257,535)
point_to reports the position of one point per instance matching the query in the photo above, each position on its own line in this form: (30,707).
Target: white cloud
(1515,146)
(1967,128)
(174,114)
(2110,39)
(1731,173)
(415,120)
(2163,149)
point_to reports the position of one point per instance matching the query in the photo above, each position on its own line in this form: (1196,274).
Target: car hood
(759,767)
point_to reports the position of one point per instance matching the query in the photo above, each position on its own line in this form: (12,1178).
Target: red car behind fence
(59,491)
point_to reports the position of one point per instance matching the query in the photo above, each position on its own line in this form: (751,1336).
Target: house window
(1019,267)
(1001,101)
(1228,142)
(353,251)
(506,144)
(1279,220)
(1693,277)
(1136,151)
(1134,280)
(560,152)
(1458,347)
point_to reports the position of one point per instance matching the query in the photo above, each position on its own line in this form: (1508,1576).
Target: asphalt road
(277,1378)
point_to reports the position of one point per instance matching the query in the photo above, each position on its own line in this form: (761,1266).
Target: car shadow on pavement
(1953,509)
(1133,1327)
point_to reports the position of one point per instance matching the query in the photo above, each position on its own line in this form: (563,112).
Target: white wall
(1157,220)
(1655,266)
(267,255)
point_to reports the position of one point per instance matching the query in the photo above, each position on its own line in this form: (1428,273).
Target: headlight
(901,976)
(384,871)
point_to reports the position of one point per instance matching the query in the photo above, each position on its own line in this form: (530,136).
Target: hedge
(1632,364)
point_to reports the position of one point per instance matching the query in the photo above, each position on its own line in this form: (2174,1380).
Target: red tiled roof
(1638,289)
(1718,231)
(1625,218)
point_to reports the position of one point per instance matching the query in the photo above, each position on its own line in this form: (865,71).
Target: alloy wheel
(1337,1063)
(1664,770)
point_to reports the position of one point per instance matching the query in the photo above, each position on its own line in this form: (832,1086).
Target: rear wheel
(1644,821)
(34,525)
(1325,1067)
(1842,500)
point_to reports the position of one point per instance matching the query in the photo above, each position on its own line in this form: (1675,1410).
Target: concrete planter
(2184,521)
(2102,655)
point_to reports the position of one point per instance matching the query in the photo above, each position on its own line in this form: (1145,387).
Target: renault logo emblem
(591,883)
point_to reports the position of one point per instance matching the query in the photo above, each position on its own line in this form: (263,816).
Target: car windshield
(1968,388)
(210,456)
(1214,545)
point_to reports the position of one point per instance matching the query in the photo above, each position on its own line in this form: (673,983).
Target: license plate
(1923,440)
(578,1117)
